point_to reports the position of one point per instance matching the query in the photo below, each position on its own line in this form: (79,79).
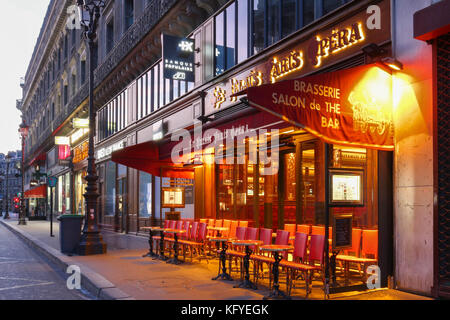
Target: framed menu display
(342,231)
(173,197)
(346,188)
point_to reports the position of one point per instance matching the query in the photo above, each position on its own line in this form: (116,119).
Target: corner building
(248,43)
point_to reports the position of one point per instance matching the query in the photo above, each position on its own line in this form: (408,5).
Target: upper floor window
(246,27)
(83,71)
(109,35)
(128,14)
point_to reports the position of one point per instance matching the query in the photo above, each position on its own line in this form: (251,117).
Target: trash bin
(69,232)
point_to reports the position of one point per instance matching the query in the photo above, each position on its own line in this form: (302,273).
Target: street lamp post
(8,160)
(91,240)
(23,129)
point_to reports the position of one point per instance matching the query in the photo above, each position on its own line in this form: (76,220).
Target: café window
(110,189)
(145,195)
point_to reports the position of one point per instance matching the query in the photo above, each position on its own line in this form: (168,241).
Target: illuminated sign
(287,65)
(63,152)
(255,79)
(80,152)
(105,152)
(178,58)
(335,42)
(80,123)
(220,95)
(61,141)
(77,135)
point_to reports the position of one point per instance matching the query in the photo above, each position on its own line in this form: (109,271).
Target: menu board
(346,187)
(173,198)
(342,231)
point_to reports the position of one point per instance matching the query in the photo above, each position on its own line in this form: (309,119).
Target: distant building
(10,181)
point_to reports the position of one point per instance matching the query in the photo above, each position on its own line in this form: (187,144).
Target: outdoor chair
(314,263)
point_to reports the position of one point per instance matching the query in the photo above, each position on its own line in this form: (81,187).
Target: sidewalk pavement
(122,273)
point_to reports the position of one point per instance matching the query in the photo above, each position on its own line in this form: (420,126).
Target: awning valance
(38,192)
(349,107)
(145,157)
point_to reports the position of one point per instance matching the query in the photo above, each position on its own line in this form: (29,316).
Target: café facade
(298,132)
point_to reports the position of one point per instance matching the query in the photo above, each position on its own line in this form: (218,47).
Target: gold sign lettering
(282,67)
(335,42)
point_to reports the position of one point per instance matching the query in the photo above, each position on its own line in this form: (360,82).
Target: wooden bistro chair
(233,226)
(226,224)
(236,252)
(304,228)
(282,238)
(351,253)
(191,236)
(292,230)
(265,235)
(299,265)
(369,252)
(198,244)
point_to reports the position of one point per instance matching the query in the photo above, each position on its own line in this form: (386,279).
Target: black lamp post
(91,240)
(23,129)
(8,160)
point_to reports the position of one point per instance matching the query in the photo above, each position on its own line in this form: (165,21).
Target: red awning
(38,192)
(350,107)
(145,157)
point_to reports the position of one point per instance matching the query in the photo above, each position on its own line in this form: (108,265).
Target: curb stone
(92,281)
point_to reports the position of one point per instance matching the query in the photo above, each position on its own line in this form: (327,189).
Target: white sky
(20,24)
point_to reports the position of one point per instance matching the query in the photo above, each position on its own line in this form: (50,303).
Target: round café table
(276,249)
(223,254)
(246,283)
(150,240)
(175,233)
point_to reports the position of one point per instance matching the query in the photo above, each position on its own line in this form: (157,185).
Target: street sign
(52,181)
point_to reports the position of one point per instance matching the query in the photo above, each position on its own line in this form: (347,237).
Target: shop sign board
(178,58)
(351,107)
(307,55)
(342,231)
(346,187)
(107,151)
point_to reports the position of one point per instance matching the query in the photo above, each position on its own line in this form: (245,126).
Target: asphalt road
(25,275)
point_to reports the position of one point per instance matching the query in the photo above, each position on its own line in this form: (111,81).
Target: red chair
(237,252)
(179,225)
(304,228)
(265,235)
(282,237)
(299,265)
(226,224)
(166,224)
(233,226)
(369,253)
(243,223)
(252,234)
(197,242)
(203,220)
(318,230)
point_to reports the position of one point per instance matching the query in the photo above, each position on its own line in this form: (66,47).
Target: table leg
(150,242)
(247,283)
(161,247)
(223,256)
(333,268)
(175,260)
(276,292)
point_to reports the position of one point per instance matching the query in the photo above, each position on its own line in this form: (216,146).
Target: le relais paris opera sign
(310,53)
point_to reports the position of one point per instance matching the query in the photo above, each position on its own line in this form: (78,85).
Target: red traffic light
(16,200)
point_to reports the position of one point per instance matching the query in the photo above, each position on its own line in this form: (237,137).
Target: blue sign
(52,181)
(178,58)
